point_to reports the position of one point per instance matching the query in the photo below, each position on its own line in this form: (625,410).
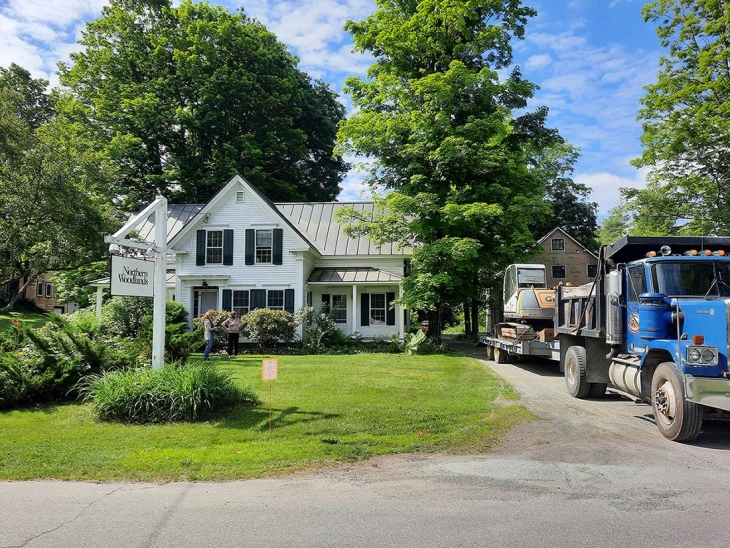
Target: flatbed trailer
(504,350)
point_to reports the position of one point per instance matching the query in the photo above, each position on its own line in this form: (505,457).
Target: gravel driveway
(589,473)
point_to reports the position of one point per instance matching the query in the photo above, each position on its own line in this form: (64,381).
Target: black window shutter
(289,300)
(250,245)
(278,254)
(390,315)
(365,309)
(227,247)
(196,312)
(258,298)
(326,299)
(200,249)
(227,299)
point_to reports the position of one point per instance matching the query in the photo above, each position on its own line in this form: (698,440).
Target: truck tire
(676,418)
(501,356)
(490,353)
(575,372)
(597,390)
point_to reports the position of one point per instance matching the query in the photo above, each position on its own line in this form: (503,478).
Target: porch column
(99,299)
(354,309)
(399,315)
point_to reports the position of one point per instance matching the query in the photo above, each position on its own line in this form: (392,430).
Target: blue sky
(591,59)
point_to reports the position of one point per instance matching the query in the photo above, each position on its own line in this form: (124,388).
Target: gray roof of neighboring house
(349,275)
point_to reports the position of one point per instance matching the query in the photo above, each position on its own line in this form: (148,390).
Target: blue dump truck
(654,325)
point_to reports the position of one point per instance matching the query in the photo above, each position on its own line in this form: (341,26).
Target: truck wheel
(500,356)
(490,353)
(575,372)
(677,418)
(597,390)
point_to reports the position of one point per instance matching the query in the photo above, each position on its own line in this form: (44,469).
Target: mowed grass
(324,409)
(29,319)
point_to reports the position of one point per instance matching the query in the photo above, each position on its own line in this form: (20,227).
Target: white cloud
(606,187)
(536,62)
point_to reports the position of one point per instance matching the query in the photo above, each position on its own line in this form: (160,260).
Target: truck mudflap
(710,392)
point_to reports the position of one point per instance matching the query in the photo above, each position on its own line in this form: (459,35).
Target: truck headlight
(702,355)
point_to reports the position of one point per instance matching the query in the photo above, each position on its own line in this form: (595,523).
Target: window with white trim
(39,289)
(558,272)
(49,290)
(214,247)
(241,302)
(264,246)
(339,307)
(558,244)
(378,309)
(275,299)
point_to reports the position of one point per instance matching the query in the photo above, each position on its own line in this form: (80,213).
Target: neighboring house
(566,260)
(241,251)
(42,293)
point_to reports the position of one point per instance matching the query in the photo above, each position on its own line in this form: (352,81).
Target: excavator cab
(528,303)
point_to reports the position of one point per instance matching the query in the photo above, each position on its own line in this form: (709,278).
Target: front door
(207,300)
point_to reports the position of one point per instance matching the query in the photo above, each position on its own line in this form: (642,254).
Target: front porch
(361,299)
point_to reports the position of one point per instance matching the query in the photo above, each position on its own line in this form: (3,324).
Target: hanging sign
(132,277)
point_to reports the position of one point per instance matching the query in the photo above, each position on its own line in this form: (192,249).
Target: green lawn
(325,409)
(31,319)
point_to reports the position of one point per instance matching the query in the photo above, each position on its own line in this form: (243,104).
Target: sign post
(269,373)
(158,250)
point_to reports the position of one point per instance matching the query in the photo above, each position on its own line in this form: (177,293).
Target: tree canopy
(437,121)
(52,217)
(686,136)
(181,97)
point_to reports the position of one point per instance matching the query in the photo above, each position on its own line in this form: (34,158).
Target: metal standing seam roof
(316,221)
(178,215)
(352,275)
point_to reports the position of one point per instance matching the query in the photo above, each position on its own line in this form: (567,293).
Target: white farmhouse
(241,251)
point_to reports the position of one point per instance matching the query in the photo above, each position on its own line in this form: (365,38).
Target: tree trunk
(467,319)
(11,305)
(475,318)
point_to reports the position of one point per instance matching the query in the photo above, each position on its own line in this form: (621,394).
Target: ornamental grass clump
(176,393)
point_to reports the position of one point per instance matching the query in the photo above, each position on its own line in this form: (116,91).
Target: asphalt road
(590,473)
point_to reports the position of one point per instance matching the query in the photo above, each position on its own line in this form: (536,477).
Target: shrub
(319,327)
(187,392)
(266,327)
(49,361)
(124,316)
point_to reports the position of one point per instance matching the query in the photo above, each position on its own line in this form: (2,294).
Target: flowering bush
(266,327)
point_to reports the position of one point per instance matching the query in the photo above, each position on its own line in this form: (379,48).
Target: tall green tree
(618,223)
(52,217)
(436,120)
(686,136)
(570,208)
(184,96)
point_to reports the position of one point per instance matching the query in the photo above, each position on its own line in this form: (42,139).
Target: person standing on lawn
(233,326)
(209,334)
